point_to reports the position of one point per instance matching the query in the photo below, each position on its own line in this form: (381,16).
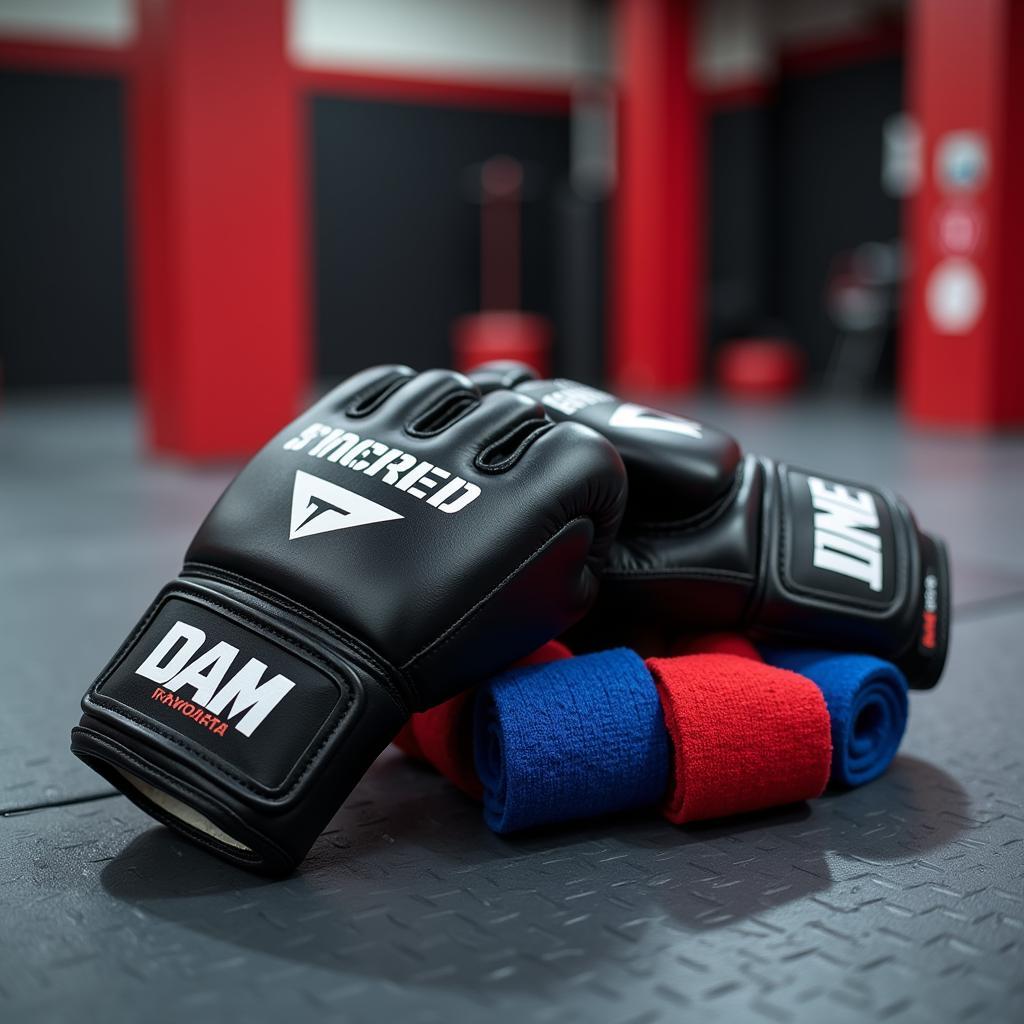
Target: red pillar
(963,352)
(658,234)
(221,338)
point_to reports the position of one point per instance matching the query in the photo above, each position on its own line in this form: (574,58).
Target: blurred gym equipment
(501,330)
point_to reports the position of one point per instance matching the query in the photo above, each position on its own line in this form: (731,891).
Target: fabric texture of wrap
(571,739)
(746,735)
(710,733)
(717,643)
(867,703)
(443,735)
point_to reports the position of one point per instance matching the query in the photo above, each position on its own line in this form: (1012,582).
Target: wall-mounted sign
(958,227)
(902,156)
(955,296)
(961,161)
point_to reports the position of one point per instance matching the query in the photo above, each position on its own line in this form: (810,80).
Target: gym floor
(900,901)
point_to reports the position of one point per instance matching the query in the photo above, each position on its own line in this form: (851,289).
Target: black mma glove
(713,539)
(401,540)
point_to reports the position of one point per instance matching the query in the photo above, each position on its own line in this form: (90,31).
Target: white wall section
(83,22)
(501,40)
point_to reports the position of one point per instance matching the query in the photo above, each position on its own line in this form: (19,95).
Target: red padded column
(963,351)
(222,344)
(656,266)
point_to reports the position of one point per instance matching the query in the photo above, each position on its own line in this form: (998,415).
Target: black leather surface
(713,541)
(403,586)
(677,467)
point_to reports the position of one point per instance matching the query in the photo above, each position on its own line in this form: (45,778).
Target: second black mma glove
(716,539)
(401,540)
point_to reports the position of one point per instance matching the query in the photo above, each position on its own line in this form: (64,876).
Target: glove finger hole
(365,382)
(443,413)
(423,394)
(505,451)
(375,394)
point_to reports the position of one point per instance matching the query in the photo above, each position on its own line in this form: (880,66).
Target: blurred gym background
(220,203)
(799,219)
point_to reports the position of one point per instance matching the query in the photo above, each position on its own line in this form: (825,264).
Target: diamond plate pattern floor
(902,901)
(89,533)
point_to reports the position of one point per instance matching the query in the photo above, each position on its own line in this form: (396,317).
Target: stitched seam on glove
(672,574)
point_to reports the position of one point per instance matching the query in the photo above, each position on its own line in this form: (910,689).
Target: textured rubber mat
(88,535)
(901,901)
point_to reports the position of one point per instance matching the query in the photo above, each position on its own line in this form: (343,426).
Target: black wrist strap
(224,722)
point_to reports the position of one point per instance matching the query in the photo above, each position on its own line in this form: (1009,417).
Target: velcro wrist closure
(223,711)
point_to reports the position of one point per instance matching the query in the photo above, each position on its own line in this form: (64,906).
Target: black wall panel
(740,224)
(64,298)
(830,196)
(792,184)
(395,234)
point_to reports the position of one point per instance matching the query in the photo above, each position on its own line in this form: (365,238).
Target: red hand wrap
(746,736)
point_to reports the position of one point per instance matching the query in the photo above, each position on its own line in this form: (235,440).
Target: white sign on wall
(955,296)
(961,161)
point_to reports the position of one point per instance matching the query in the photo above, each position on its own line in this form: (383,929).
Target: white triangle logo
(319,506)
(636,417)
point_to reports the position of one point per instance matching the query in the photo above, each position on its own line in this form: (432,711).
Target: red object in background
(657,239)
(480,337)
(963,329)
(501,216)
(221,337)
(759,368)
(501,331)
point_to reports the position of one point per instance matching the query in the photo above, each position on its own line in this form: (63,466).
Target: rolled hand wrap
(867,704)
(443,735)
(571,739)
(746,735)
(577,739)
